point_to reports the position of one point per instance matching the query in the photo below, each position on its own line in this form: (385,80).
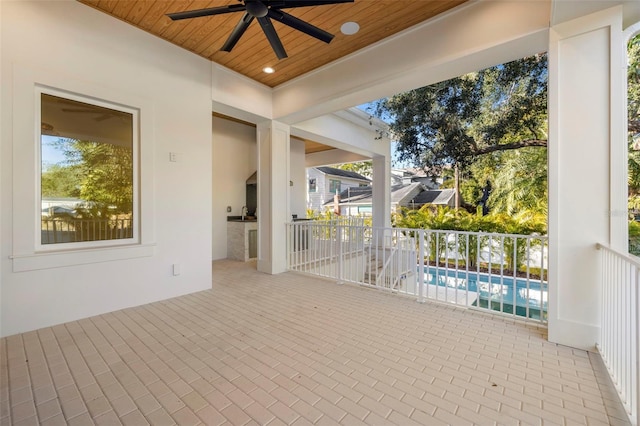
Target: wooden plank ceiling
(204,36)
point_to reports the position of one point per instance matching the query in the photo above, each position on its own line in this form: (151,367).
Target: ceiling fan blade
(103,117)
(300,25)
(284,4)
(237,32)
(272,36)
(89,111)
(176,16)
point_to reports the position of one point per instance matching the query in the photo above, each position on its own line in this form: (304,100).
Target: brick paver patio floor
(291,349)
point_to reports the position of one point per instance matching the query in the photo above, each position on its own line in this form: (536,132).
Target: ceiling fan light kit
(264,11)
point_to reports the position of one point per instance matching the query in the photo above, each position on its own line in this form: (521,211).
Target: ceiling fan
(103,115)
(264,11)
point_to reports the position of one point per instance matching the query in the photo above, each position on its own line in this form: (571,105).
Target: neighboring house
(434,197)
(359,201)
(54,206)
(323,183)
(414,174)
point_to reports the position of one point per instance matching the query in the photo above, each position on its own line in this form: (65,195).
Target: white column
(381,191)
(273,195)
(586,168)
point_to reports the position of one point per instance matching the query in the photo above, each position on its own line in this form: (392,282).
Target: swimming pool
(529,296)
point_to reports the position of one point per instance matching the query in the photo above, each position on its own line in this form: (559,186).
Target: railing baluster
(618,342)
(527,313)
(515,276)
(502,260)
(466,263)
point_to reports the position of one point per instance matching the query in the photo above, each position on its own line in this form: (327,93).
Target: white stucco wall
(80,49)
(234,159)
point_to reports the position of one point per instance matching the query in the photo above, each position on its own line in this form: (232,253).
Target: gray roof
(434,196)
(342,173)
(399,193)
(364,195)
(361,195)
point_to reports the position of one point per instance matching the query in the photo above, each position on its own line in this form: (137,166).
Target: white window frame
(135,112)
(27,255)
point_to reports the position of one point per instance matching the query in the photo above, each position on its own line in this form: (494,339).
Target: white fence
(619,342)
(501,273)
(351,252)
(69,230)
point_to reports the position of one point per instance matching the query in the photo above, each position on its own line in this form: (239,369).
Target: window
(87,173)
(312,185)
(334,186)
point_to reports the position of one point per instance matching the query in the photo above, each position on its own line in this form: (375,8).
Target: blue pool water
(529,297)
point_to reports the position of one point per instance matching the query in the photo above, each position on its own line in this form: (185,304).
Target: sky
(395,163)
(50,153)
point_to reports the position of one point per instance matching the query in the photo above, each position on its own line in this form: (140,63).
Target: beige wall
(233,161)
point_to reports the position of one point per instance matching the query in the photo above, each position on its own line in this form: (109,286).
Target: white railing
(69,230)
(619,342)
(502,273)
(350,253)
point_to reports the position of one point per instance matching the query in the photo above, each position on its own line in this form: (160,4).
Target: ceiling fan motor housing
(256,8)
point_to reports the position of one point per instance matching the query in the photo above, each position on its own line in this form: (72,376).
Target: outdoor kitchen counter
(242,239)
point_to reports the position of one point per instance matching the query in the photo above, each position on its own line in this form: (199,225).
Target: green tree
(633,85)
(479,121)
(105,174)
(633,111)
(454,121)
(60,181)
(633,140)
(520,184)
(365,168)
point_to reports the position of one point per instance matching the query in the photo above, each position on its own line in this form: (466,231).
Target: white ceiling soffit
(566,10)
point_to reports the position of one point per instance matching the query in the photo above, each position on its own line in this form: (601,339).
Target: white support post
(340,252)
(273,195)
(584,114)
(421,298)
(381,192)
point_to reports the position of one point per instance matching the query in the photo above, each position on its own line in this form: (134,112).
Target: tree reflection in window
(87,171)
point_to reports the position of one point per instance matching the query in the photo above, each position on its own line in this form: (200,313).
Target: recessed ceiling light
(350,28)
(268,70)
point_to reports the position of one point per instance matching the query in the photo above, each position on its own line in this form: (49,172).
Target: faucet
(244,211)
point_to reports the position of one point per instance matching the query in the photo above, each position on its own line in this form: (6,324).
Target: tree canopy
(491,123)
(633,112)
(455,121)
(365,168)
(101,174)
